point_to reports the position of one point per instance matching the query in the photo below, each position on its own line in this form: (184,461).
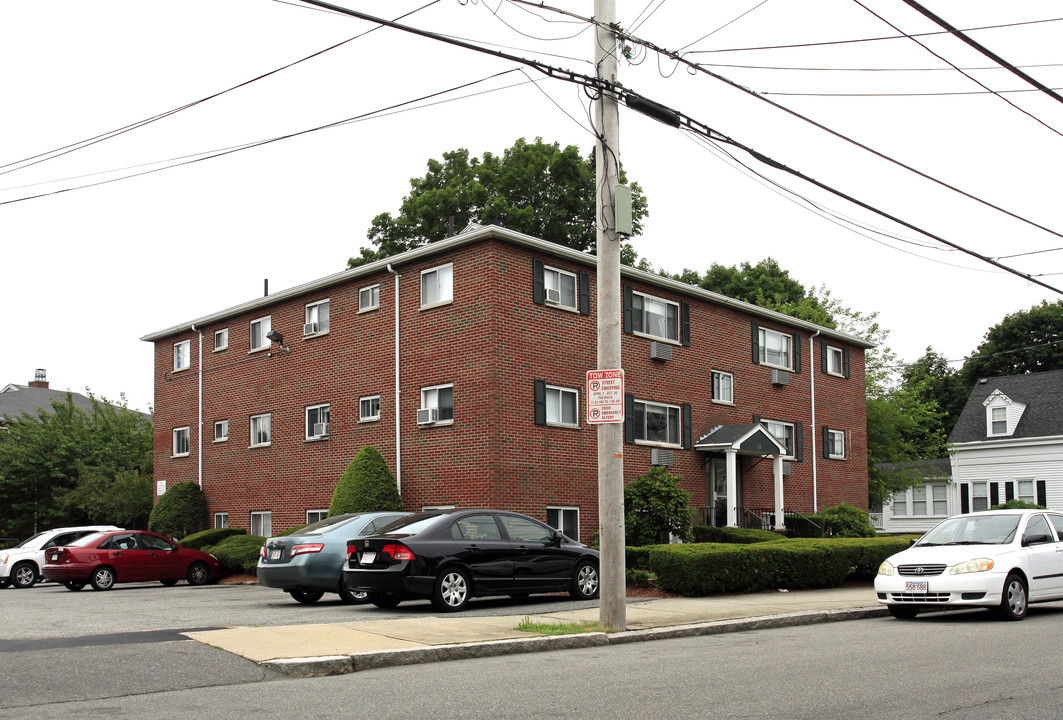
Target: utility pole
(610,435)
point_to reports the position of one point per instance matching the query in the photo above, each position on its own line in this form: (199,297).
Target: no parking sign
(605,396)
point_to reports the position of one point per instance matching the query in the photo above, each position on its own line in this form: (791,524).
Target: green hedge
(238,554)
(206,538)
(745,536)
(709,568)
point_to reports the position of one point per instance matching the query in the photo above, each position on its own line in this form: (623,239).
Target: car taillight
(398,551)
(306,548)
(262,552)
(352,551)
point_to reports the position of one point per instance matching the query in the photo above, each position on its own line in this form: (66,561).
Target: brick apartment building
(464,363)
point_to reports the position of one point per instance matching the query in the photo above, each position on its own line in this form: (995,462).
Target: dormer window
(998,421)
(1002,414)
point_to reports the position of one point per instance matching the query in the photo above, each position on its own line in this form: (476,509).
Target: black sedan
(451,556)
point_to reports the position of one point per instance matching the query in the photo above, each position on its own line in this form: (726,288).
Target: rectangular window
(259,329)
(182,355)
(221,520)
(939,499)
(657,423)
(437,285)
(369,408)
(999,424)
(835,444)
(835,361)
(654,316)
(180,441)
(562,406)
(313,516)
(560,287)
(317,420)
(221,339)
(565,519)
(260,434)
(722,387)
(441,399)
(1027,491)
(784,433)
(316,318)
(369,298)
(919,500)
(221,430)
(262,524)
(900,504)
(776,348)
(979,496)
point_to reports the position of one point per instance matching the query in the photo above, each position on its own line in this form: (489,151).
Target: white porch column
(776,467)
(732,487)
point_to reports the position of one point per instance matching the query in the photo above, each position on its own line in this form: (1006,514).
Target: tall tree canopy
(535,188)
(1024,342)
(933,380)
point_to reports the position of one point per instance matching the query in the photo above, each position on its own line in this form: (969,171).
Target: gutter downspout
(199,431)
(815,456)
(398,390)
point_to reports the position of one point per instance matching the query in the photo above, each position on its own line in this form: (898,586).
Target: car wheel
(307,598)
(903,612)
(452,590)
(585,581)
(169,582)
(103,578)
(24,575)
(1013,602)
(198,573)
(73,585)
(352,597)
(384,601)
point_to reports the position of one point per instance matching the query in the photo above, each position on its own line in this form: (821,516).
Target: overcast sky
(86,272)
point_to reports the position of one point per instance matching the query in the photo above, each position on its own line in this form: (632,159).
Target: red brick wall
(492,342)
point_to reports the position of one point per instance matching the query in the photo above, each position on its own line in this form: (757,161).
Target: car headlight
(972,566)
(886,568)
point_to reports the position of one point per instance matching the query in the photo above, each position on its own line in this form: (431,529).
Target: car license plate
(915,587)
(275,554)
(367,558)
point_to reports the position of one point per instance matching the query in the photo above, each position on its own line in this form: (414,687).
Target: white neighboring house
(920,508)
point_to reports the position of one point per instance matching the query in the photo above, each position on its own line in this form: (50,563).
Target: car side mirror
(1035,539)
(558,537)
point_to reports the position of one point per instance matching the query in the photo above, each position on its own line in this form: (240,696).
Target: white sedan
(1002,559)
(21,565)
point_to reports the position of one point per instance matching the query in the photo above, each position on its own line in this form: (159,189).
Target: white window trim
(306,316)
(262,514)
(188,433)
(841,433)
(561,513)
(424,406)
(909,501)
(762,337)
(306,420)
(225,438)
(562,391)
(251,333)
(368,308)
(660,443)
(219,348)
(989,421)
(678,319)
(251,424)
(187,344)
(322,512)
(575,289)
(793,433)
(436,270)
(369,418)
(712,377)
(223,517)
(833,352)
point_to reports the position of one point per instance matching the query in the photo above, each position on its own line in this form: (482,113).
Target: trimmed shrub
(656,507)
(213,536)
(638,557)
(367,485)
(1016,504)
(238,554)
(181,511)
(846,521)
(744,536)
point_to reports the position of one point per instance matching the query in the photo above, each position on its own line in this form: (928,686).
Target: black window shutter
(685,324)
(627,310)
(688,431)
(826,441)
(756,344)
(797,353)
(799,442)
(584,293)
(1042,494)
(1009,491)
(965,498)
(540,402)
(756,419)
(538,282)
(845,362)
(629,418)
(823,355)
(994,494)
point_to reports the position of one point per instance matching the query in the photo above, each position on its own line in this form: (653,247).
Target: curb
(343,664)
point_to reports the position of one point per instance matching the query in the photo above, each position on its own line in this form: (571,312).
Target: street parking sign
(605,396)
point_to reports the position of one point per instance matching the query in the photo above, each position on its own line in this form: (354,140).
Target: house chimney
(40,379)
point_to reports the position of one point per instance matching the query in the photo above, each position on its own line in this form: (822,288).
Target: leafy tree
(843,520)
(181,511)
(654,507)
(535,188)
(123,498)
(931,378)
(367,485)
(1027,341)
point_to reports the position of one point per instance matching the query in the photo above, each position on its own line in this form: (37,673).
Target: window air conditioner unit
(310,328)
(662,456)
(780,377)
(553,295)
(786,468)
(660,351)
(427,416)
(320,429)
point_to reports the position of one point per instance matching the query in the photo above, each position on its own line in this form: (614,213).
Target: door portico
(753,440)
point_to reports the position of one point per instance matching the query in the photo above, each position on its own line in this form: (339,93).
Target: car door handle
(522,549)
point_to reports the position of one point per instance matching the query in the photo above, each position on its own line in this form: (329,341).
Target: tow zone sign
(605,396)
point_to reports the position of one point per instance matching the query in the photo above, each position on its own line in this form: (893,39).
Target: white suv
(21,565)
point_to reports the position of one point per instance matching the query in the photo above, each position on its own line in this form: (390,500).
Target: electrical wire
(726,24)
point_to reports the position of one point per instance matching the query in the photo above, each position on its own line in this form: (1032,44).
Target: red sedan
(105,558)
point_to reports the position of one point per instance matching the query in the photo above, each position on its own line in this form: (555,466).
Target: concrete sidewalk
(336,648)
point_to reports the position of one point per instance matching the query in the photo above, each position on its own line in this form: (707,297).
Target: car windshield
(29,541)
(87,540)
(326,524)
(973,530)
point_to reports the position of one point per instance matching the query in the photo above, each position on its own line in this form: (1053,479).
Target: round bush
(181,511)
(366,486)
